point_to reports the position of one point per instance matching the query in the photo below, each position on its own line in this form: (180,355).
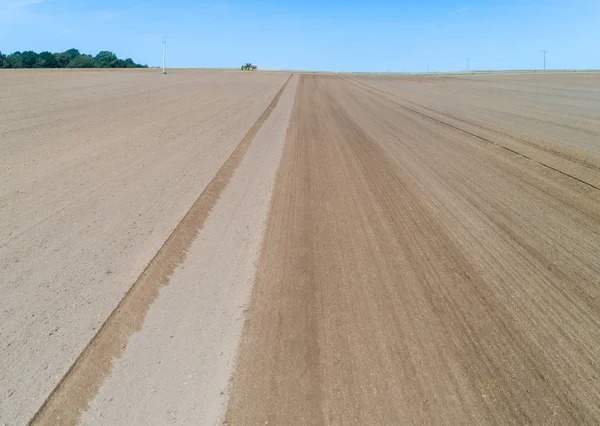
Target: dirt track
(431,255)
(97,170)
(420,269)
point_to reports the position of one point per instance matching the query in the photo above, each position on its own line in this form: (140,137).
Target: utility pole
(428,68)
(544,52)
(164,54)
(468,64)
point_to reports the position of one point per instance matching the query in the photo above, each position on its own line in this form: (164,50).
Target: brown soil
(431,255)
(423,268)
(72,395)
(96,171)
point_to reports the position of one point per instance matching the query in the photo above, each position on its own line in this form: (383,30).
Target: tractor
(249,67)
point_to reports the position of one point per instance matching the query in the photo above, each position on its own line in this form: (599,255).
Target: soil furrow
(481,138)
(72,395)
(406,277)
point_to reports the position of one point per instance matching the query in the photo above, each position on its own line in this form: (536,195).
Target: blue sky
(320,35)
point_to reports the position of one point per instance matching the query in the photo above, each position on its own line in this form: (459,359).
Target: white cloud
(18,4)
(108,16)
(11,10)
(222,6)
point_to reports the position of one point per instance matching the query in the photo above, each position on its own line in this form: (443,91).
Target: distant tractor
(249,67)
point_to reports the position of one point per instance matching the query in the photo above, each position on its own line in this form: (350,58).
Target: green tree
(71,58)
(46,60)
(62,59)
(106,59)
(119,63)
(72,54)
(15,60)
(29,59)
(82,61)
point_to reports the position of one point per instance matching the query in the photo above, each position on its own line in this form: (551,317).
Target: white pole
(544,52)
(164,54)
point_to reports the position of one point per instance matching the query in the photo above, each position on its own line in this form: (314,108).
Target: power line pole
(468,64)
(544,52)
(164,54)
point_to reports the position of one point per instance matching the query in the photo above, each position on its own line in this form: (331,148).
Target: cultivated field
(209,247)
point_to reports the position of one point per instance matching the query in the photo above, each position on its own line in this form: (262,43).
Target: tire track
(83,380)
(397,287)
(582,161)
(386,95)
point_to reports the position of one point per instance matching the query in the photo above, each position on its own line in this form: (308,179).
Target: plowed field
(209,247)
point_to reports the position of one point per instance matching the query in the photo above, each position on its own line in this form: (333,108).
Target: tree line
(71,58)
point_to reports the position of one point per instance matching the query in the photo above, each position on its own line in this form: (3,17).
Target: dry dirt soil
(97,169)
(260,248)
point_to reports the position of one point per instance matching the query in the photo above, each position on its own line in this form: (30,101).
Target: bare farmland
(428,262)
(412,250)
(97,170)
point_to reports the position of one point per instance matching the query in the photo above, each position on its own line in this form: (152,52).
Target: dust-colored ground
(432,256)
(190,356)
(96,170)
(431,248)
